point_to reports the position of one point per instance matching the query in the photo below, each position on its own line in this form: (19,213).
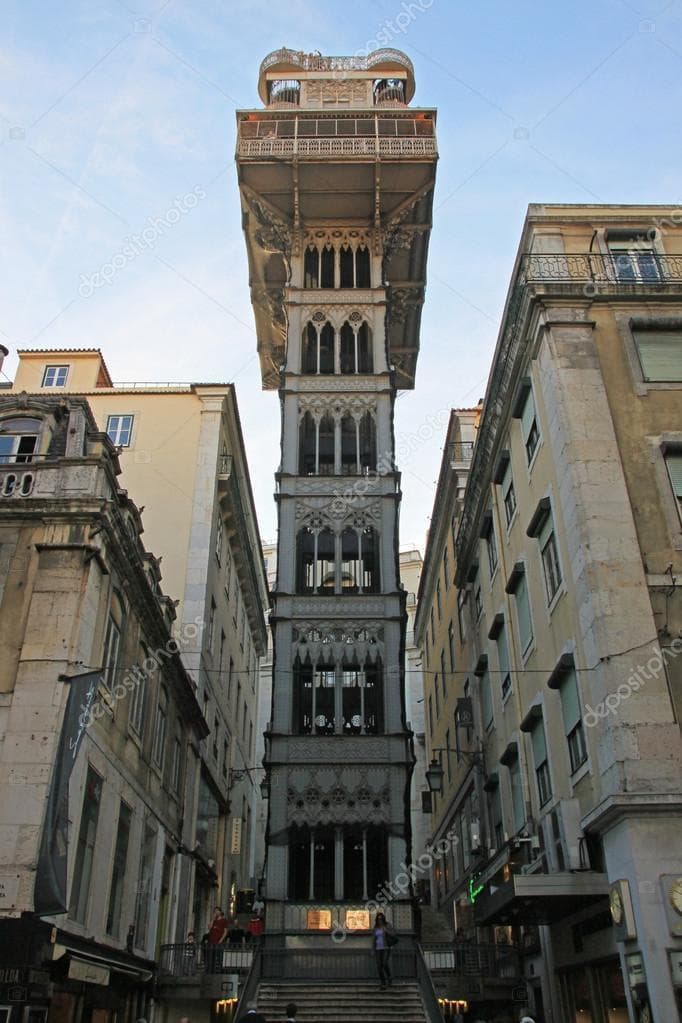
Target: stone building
(97,712)
(564,788)
(182,456)
(336,176)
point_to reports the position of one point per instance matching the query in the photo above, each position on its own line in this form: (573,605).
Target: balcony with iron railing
(460,453)
(404,134)
(624,268)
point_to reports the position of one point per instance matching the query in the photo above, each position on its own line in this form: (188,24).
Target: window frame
(56,370)
(160,729)
(120,430)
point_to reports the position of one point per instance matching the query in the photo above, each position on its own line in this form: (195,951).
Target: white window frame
(55,376)
(161,730)
(120,434)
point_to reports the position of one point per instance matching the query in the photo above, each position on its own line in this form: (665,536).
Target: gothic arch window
(350,561)
(356,348)
(349,445)
(365,360)
(362,689)
(307,445)
(369,553)
(327,267)
(314,698)
(318,862)
(325,446)
(317,354)
(305,561)
(312,854)
(326,558)
(311,267)
(346,267)
(368,443)
(362,267)
(315,561)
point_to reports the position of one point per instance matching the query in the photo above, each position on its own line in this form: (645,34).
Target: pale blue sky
(112,110)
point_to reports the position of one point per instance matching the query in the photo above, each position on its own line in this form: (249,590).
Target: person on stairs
(252,1015)
(384,939)
(291,1010)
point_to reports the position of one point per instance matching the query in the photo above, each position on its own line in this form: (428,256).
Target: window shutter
(547,529)
(503,652)
(673,460)
(486,700)
(570,701)
(538,743)
(523,612)
(660,353)
(528,415)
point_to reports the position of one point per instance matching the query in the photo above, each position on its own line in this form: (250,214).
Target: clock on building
(671,890)
(622,915)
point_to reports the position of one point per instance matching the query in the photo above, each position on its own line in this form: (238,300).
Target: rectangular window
(451,646)
(633,260)
(516,794)
(433,628)
(660,354)
(478,603)
(550,559)
(529,427)
(448,763)
(230,672)
(85,850)
(211,626)
(439,600)
(138,696)
(673,463)
(112,643)
(446,568)
(244,713)
(503,660)
(159,750)
(442,671)
(430,715)
(219,533)
(55,376)
(176,766)
(539,745)
(486,700)
(145,886)
(573,724)
(461,602)
(508,494)
(523,617)
(216,730)
(226,757)
(119,871)
(491,544)
(228,571)
(119,430)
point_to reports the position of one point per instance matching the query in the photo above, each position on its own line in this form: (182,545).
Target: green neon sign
(474,890)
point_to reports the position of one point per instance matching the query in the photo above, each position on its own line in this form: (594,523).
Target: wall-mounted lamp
(434,773)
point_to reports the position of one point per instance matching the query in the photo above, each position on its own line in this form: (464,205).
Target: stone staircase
(342,1002)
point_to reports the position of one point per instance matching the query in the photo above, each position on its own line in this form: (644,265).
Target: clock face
(616,905)
(675,895)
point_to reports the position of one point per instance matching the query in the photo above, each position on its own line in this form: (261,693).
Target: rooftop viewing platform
(383,76)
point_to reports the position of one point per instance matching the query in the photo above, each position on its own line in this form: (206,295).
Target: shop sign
(676,967)
(89,973)
(319,920)
(357,919)
(9,890)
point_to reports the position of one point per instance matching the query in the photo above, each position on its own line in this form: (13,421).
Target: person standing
(217,934)
(291,1010)
(252,1015)
(383,939)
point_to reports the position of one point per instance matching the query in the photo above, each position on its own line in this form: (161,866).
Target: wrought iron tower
(336,175)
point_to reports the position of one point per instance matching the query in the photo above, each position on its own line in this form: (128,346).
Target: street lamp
(236,775)
(434,774)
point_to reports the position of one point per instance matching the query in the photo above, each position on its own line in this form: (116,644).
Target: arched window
(326,447)
(305,561)
(346,267)
(326,557)
(362,697)
(18,439)
(311,863)
(369,544)
(350,561)
(365,360)
(327,349)
(347,349)
(368,443)
(311,267)
(307,445)
(314,699)
(112,640)
(349,448)
(309,354)
(362,271)
(327,267)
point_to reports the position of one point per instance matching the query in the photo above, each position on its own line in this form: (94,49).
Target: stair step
(342,1001)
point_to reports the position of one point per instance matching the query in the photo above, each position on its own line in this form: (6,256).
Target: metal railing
(316,62)
(500,962)
(345,147)
(638,265)
(461,452)
(336,964)
(192,960)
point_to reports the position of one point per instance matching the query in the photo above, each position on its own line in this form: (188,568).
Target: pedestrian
(255,929)
(190,956)
(291,1010)
(252,1015)
(258,906)
(217,934)
(384,939)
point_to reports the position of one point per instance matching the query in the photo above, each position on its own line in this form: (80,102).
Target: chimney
(3,352)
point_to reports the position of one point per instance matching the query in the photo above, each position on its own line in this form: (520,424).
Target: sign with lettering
(319,920)
(89,973)
(9,890)
(357,919)
(236,837)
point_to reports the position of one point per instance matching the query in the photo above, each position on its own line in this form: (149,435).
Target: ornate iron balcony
(640,265)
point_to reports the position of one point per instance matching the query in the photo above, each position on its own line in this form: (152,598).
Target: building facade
(565,794)
(182,456)
(336,175)
(100,726)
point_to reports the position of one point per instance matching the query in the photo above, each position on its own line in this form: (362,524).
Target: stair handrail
(428,991)
(251,984)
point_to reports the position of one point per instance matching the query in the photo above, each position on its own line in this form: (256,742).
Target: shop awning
(97,969)
(539,898)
